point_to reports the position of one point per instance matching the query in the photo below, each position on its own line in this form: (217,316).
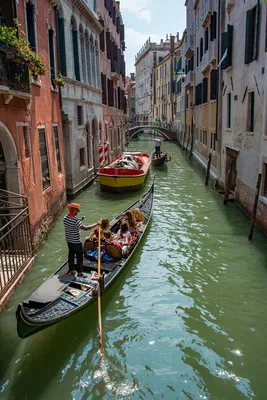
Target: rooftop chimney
(154,58)
(177,37)
(172,43)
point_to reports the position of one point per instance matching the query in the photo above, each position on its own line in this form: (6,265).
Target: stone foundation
(40,230)
(245,197)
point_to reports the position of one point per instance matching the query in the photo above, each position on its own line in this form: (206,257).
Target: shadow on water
(75,343)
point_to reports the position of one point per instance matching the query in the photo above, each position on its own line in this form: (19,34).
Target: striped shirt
(72,229)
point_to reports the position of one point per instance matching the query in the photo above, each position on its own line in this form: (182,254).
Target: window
(104,88)
(205,134)
(213,141)
(206,39)
(251,99)
(75,52)
(30,18)
(227,45)
(44,158)
(205,90)
(55,131)
(80,115)
(82,157)
(265,181)
(51,54)
(213,84)
(252,34)
(213,26)
(132,105)
(197,56)
(132,95)
(26,142)
(61,45)
(229,110)
(201,50)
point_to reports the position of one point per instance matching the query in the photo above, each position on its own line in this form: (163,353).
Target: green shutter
(257,28)
(76,54)
(62,48)
(224,44)
(249,32)
(230,44)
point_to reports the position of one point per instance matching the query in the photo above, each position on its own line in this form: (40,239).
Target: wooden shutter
(51,54)
(206,39)
(257,28)
(214,25)
(224,63)
(76,54)
(201,49)
(248,46)
(213,84)
(62,47)
(230,44)
(205,90)
(211,27)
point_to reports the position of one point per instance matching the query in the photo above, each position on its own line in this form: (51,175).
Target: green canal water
(186,320)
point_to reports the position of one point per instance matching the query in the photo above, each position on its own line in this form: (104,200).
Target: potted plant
(59,81)
(14,39)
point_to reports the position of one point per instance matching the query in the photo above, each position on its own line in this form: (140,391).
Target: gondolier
(157,147)
(72,226)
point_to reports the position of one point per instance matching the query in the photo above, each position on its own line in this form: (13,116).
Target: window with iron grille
(80,115)
(31,32)
(56,139)
(44,158)
(26,140)
(82,157)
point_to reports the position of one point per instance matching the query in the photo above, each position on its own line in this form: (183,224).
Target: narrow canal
(186,320)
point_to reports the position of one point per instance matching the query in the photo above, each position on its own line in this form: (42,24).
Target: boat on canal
(161,160)
(62,295)
(126,173)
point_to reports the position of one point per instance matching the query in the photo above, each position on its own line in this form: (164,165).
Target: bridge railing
(157,124)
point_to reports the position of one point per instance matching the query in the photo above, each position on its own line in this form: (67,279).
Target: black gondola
(159,161)
(61,295)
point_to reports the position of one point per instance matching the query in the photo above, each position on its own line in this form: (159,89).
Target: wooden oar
(172,159)
(99,295)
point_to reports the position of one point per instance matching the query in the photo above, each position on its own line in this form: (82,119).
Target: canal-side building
(244,96)
(112,65)
(130,97)
(31,137)
(144,62)
(179,91)
(82,112)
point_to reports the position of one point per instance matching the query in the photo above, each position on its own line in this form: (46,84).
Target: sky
(154,18)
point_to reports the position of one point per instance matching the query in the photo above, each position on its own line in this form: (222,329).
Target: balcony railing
(189,80)
(207,11)
(15,238)
(13,75)
(190,46)
(115,69)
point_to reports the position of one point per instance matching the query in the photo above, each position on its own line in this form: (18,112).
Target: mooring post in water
(208,171)
(253,218)
(228,183)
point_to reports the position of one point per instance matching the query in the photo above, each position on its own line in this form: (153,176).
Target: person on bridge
(72,226)
(157,147)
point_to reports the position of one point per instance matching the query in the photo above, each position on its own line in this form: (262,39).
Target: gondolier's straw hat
(75,205)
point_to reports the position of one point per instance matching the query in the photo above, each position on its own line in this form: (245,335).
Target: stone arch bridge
(168,134)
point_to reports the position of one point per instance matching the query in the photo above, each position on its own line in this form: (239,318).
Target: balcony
(190,46)
(14,78)
(229,5)
(163,97)
(189,80)
(205,64)
(206,12)
(115,70)
(213,51)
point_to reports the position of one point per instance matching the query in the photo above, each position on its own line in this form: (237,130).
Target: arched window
(88,59)
(75,49)
(92,51)
(97,65)
(82,40)
(61,42)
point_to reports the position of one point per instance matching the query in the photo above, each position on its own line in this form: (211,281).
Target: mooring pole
(228,183)
(208,170)
(253,218)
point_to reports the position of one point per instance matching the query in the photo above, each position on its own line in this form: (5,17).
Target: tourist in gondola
(123,237)
(72,226)
(131,222)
